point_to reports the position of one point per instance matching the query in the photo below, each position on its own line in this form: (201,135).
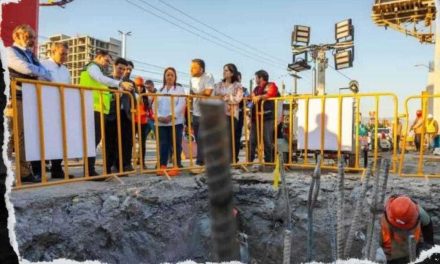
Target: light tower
(343,52)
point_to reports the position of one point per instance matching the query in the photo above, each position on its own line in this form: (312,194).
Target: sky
(384,59)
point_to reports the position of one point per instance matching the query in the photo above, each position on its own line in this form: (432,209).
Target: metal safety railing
(424,138)
(337,108)
(40,87)
(302,116)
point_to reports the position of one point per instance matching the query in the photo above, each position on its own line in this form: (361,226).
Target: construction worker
(431,131)
(417,127)
(93,76)
(404,217)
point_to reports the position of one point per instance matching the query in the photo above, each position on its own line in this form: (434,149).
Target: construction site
(313,177)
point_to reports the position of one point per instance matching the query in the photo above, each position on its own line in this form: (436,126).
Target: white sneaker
(197,169)
(436,152)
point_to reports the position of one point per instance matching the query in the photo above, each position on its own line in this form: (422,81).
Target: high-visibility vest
(419,126)
(430,126)
(86,80)
(395,241)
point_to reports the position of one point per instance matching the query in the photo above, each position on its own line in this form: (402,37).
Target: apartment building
(81,50)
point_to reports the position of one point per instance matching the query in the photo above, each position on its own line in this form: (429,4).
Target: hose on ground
(355,223)
(312,198)
(220,193)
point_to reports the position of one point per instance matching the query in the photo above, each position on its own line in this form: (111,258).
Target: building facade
(82,50)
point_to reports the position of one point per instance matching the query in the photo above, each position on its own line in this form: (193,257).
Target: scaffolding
(411,17)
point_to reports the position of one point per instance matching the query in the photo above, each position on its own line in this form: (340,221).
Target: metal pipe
(288,231)
(287,246)
(355,223)
(372,221)
(312,198)
(340,211)
(215,142)
(385,166)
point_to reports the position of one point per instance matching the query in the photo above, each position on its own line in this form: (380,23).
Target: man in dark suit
(111,121)
(126,121)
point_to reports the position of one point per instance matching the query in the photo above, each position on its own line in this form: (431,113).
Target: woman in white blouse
(165,116)
(231,91)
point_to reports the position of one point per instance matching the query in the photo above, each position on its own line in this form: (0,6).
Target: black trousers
(127,139)
(238,134)
(418,141)
(196,126)
(229,133)
(111,144)
(55,169)
(92,160)
(142,136)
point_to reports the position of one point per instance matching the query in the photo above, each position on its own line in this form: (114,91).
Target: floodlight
(343,59)
(354,86)
(299,65)
(299,62)
(300,35)
(344,30)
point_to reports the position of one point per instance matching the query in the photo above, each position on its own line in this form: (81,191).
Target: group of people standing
(165,107)
(429,127)
(203,86)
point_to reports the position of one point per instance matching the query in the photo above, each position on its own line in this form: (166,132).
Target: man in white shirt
(60,74)
(22,63)
(202,84)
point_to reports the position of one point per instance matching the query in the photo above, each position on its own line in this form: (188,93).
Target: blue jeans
(166,143)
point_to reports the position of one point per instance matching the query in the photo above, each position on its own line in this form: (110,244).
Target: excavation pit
(149,219)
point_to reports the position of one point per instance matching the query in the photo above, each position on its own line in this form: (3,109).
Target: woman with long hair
(231,91)
(169,118)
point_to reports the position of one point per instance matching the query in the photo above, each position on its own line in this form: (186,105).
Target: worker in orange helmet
(141,117)
(404,217)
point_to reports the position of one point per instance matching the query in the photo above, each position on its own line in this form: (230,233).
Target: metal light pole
(124,42)
(321,65)
(295,82)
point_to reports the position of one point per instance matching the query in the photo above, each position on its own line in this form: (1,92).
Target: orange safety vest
(395,241)
(430,126)
(141,115)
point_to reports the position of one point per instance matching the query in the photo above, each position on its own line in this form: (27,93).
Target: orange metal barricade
(422,153)
(338,153)
(42,146)
(297,158)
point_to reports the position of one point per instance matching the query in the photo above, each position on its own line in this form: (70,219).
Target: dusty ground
(151,220)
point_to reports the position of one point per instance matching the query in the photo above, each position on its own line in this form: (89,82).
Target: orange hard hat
(402,212)
(139,81)
(419,113)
